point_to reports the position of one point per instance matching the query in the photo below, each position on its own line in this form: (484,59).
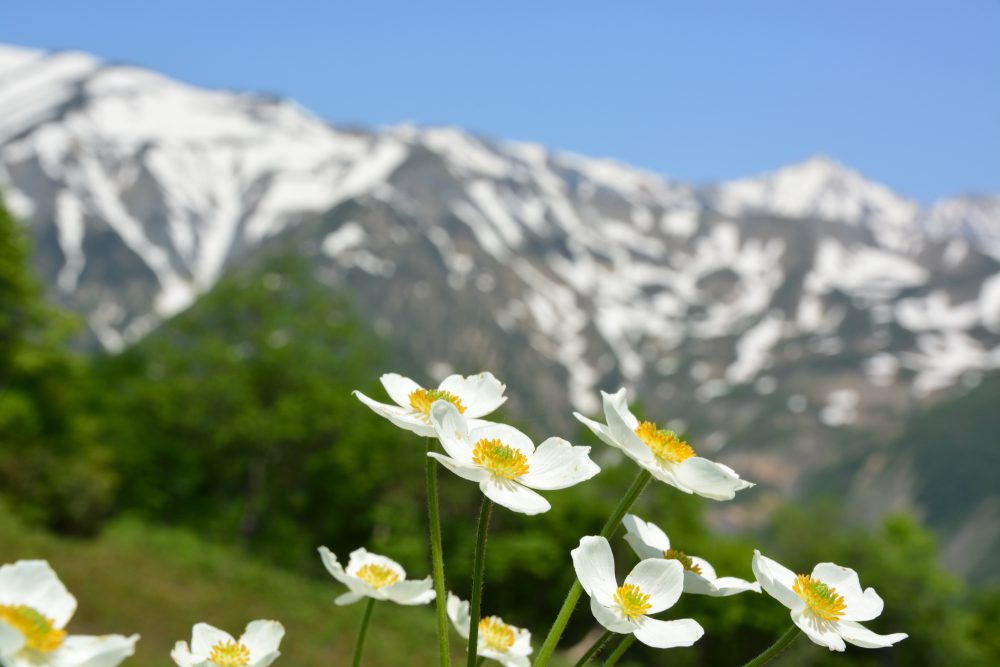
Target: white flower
(505,462)
(34,610)
(649,541)
(374,576)
(473,395)
(507,644)
(666,456)
(653,585)
(211,647)
(827,604)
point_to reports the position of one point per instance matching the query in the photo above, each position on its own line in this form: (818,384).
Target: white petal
(556,464)
(361,557)
(481,394)
(622,425)
(599,429)
(619,402)
(512,660)
(595,568)
(726,586)
(646,533)
(11,641)
(777,580)
(664,473)
(88,651)
(399,388)
(513,496)
(401,417)
(668,634)
(707,570)
(696,584)
(859,635)
(266,660)
(337,571)
(347,598)
(819,631)
(262,638)
(522,642)
(458,612)
(710,479)
(452,429)
(610,618)
(469,471)
(333,566)
(412,592)
(861,606)
(182,656)
(508,435)
(35,584)
(661,579)
(205,636)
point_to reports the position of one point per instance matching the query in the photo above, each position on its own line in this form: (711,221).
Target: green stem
(573,596)
(777,647)
(479,569)
(592,651)
(359,645)
(437,558)
(623,646)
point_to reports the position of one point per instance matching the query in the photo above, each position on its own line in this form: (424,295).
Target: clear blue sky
(906,91)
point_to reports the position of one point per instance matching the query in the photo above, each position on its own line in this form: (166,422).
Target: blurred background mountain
(201,278)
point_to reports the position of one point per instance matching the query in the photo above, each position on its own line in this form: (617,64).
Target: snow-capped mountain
(779,307)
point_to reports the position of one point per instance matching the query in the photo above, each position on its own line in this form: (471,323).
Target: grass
(158,582)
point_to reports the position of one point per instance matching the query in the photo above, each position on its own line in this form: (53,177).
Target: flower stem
(573,596)
(360,643)
(623,646)
(777,647)
(437,558)
(592,651)
(479,569)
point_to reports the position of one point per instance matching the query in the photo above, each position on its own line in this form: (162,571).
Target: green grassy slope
(159,582)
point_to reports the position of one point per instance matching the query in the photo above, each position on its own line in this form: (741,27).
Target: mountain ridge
(140,191)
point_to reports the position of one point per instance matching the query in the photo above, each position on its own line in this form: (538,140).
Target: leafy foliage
(51,463)
(236,418)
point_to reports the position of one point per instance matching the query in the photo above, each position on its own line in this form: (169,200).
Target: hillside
(159,582)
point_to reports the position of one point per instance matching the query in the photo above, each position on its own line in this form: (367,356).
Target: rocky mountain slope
(773,317)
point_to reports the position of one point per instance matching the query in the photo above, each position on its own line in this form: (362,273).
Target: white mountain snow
(140,190)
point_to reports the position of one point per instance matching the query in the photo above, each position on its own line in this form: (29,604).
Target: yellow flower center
(377,576)
(666,446)
(38,630)
(230,654)
(632,602)
(684,559)
(502,460)
(821,599)
(421,400)
(496,634)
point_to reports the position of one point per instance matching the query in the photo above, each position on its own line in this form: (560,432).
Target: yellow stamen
(632,602)
(421,400)
(230,654)
(821,599)
(496,634)
(684,559)
(502,460)
(39,630)
(666,446)
(377,576)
